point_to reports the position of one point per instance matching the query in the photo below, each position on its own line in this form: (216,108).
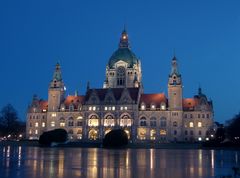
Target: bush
(57,135)
(115,138)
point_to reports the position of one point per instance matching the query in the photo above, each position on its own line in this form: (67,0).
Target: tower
(175,87)
(56,90)
(124,68)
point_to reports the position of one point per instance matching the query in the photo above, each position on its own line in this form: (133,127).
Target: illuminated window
(94,108)
(36,124)
(105,108)
(79,117)
(125,121)
(90,108)
(199,124)
(113,108)
(62,108)
(109,108)
(44,110)
(191,124)
(54,114)
(121,108)
(152,134)
(36,132)
(163,106)
(93,122)
(52,124)
(143,121)
(125,107)
(43,124)
(142,133)
(30,132)
(62,124)
(93,134)
(163,132)
(142,107)
(152,106)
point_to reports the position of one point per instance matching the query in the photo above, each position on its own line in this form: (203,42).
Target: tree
(115,139)
(233,129)
(9,121)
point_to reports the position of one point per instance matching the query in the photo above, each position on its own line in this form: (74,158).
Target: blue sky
(82,35)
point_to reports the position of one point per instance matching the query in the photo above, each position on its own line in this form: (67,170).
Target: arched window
(93,121)
(70,122)
(125,121)
(121,76)
(143,121)
(163,122)
(153,122)
(109,121)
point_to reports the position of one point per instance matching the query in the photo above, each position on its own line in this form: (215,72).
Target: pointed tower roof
(124,43)
(174,69)
(57,75)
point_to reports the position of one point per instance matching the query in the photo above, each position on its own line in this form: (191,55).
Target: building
(122,103)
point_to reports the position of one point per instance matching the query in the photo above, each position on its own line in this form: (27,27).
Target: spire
(88,85)
(124,39)
(174,69)
(199,90)
(57,73)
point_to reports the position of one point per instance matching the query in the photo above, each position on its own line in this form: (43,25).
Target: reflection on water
(34,162)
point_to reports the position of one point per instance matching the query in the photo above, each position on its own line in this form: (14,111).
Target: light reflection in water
(34,162)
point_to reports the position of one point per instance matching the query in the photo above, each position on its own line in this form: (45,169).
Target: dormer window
(143,107)
(163,106)
(153,106)
(71,107)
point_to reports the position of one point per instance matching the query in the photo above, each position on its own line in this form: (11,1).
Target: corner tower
(175,87)
(56,90)
(123,68)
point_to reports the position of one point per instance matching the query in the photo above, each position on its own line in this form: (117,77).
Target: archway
(93,134)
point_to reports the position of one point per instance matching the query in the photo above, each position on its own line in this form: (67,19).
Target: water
(34,162)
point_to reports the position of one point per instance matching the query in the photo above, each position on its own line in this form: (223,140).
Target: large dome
(124,54)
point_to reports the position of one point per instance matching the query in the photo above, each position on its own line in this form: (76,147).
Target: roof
(189,103)
(156,98)
(75,100)
(43,104)
(124,54)
(117,93)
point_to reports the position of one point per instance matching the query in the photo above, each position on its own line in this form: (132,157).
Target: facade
(122,103)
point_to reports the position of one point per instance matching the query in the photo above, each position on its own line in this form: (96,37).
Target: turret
(56,90)
(175,87)
(124,68)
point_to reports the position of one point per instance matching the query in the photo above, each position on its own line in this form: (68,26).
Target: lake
(36,162)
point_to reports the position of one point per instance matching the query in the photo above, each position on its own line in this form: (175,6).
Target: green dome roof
(124,54)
